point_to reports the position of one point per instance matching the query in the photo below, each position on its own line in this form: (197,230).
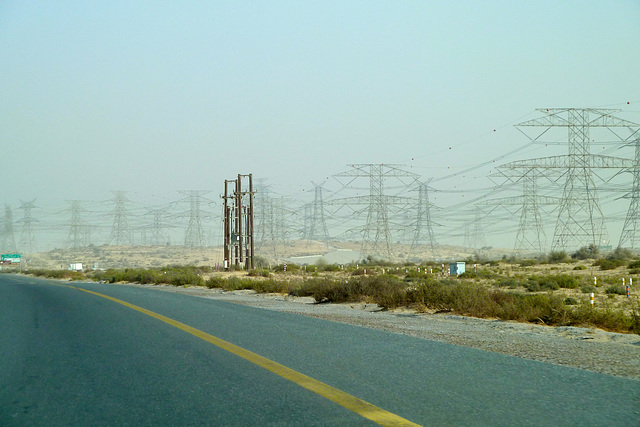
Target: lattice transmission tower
(8,235)
(27,237)
(376,234)
(158,236)
(120,231)
(195,233)
(530,235)
(423,231)
(317,227)
(79,230)
(474,235)
(580,219)
(273,226)
(630,235)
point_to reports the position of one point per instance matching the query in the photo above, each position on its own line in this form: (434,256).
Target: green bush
(261,272)
(291,268)
(620,254)
(557,257)
(330,267)
(634,264)
(509,283)
(215,282)
(587,252)
(616,290)
(608,264)
(567,281)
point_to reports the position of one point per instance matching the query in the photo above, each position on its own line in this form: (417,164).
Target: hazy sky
(154,97)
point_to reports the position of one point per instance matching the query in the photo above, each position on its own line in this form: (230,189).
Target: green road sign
(10,257)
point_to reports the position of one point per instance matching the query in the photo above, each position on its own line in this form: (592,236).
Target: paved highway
(99,354)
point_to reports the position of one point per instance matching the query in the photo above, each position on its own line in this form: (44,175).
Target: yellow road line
(359,406)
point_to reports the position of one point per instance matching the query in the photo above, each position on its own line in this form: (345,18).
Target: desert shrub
(557,257)
(605,318)
(532,286)
(215,282)
(480,274)
(272,286)
(527,262)
(260,262)
(567,281)
(509,283)
(545,308)
(330,267)
(620,254)
(414,273)
(385,290)
(587,289)
(61,274)
(579,267)
(616,290)
(181,277)
(291,268)
(570,301)
(634,264)
(587,252)
(358,272)
(259,272)
(551,282)
(608,264)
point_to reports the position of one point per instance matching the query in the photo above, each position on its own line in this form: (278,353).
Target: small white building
(75,266)
(456,268)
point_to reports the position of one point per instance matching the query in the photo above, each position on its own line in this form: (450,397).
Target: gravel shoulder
(584,348)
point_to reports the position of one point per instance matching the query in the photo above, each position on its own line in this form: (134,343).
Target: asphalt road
(69,357)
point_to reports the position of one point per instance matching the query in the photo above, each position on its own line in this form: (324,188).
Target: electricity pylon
(317,224)
(376,235)
(120,232)
(423,231)
(194,236)
(27,238)
(8,236)
(530,235)
(78,230)
(630,235)
(580,219)
(157,234)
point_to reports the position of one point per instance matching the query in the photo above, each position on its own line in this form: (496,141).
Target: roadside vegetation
(553,290)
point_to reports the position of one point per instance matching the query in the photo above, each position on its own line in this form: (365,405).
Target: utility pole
(239,249)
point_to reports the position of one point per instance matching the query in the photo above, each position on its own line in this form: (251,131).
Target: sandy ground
(590,349)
